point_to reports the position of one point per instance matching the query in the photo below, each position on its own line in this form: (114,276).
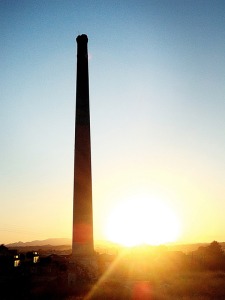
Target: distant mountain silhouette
(102,246)
(52,242)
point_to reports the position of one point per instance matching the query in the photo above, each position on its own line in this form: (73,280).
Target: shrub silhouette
(212,257)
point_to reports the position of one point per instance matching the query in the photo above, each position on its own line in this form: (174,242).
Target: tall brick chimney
(82,243)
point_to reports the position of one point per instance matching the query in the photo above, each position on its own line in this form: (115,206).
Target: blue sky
(156,71)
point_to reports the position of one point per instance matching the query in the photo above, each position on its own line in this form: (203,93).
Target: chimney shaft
(82,195)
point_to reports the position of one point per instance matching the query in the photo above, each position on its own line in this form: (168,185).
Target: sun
(142,220)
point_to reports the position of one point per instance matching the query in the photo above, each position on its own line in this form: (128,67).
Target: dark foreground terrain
(140,273)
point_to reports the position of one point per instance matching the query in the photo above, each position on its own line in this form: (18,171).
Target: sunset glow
(142,220)
(156,90)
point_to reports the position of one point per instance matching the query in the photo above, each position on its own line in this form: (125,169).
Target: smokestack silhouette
(82,195)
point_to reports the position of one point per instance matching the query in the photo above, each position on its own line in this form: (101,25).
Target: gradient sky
(157,97)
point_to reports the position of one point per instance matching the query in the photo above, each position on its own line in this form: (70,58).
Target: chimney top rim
(82,38)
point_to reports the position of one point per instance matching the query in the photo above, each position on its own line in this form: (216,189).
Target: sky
(157,101)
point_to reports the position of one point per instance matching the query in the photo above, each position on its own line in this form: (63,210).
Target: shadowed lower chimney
(82,243)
